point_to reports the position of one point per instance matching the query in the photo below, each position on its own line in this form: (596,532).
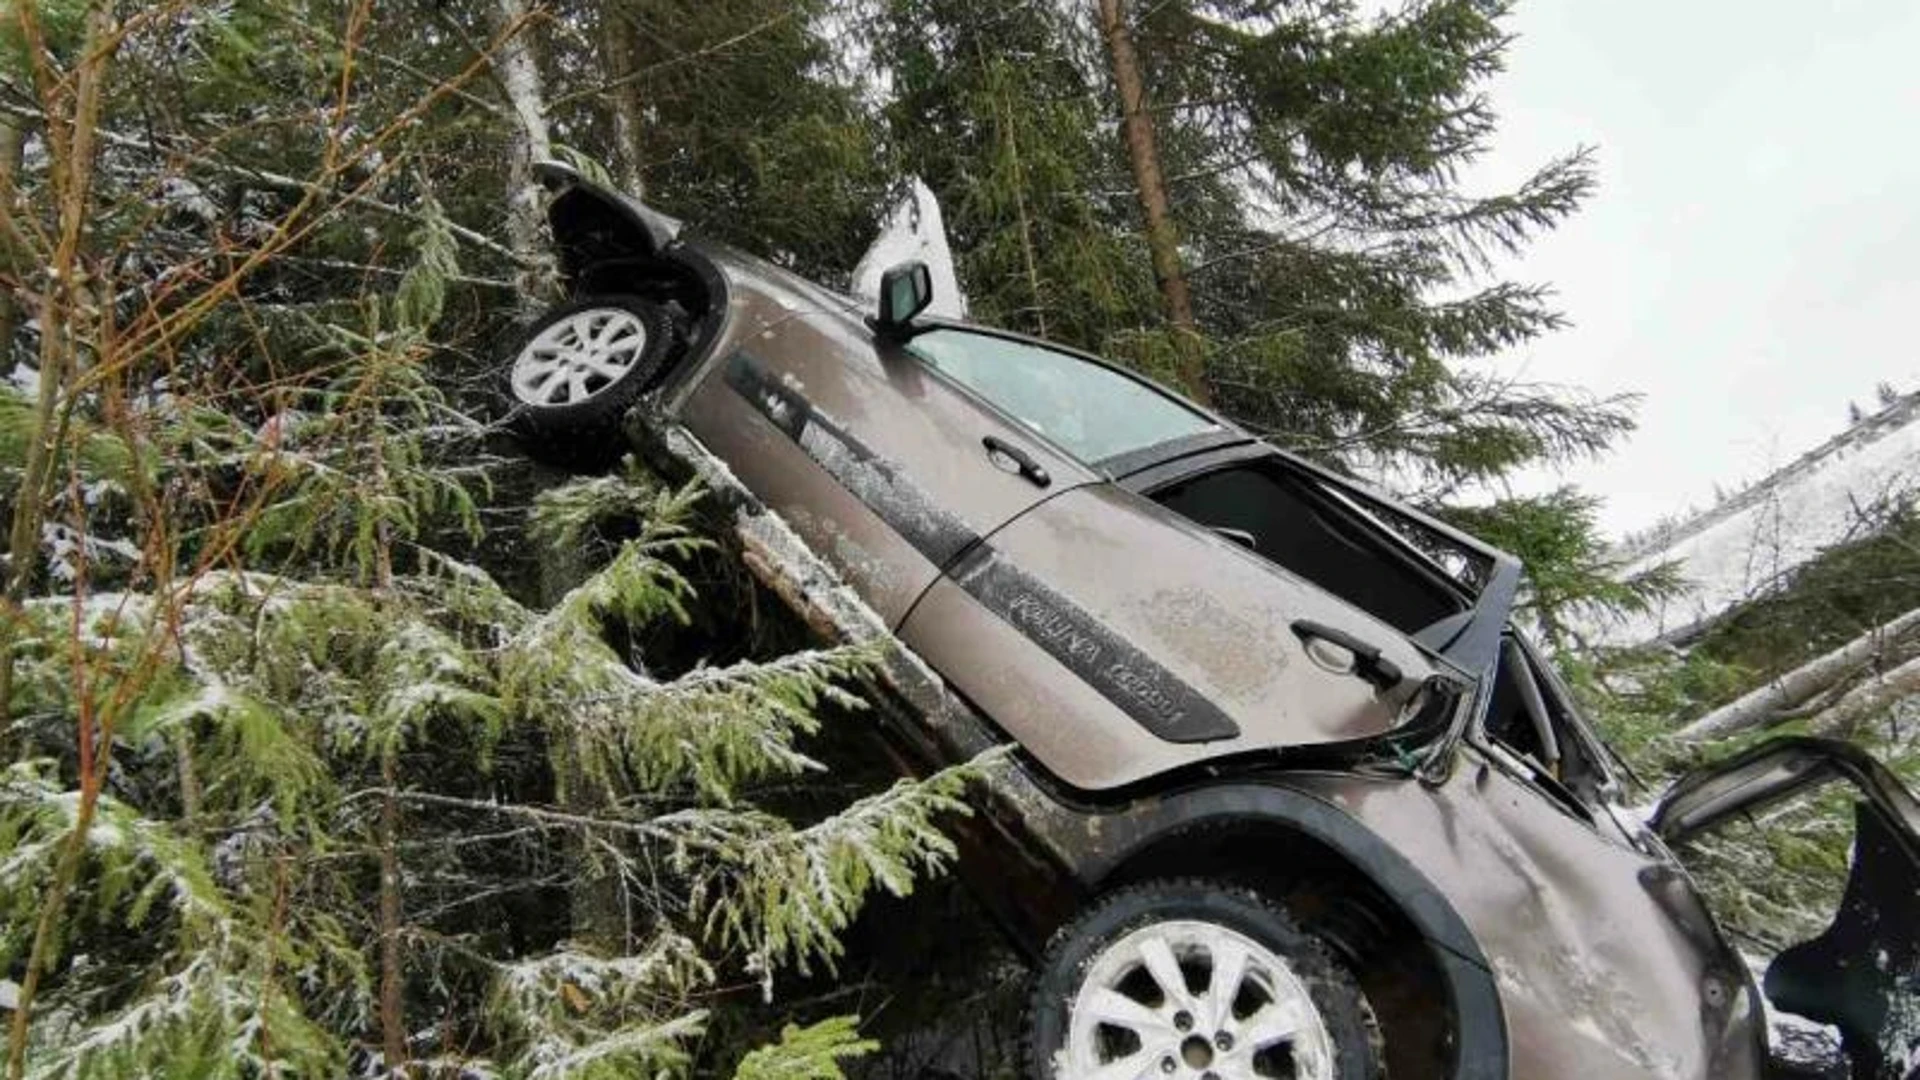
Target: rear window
(1092,412)
(1316,537)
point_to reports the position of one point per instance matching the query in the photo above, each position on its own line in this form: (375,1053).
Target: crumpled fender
(1481,1048)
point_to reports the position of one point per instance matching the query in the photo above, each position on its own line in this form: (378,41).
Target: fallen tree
(1861,703)
(1805,684)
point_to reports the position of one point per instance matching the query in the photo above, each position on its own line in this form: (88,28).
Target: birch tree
(517,66)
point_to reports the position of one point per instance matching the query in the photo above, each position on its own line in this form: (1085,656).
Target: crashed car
(1292,796)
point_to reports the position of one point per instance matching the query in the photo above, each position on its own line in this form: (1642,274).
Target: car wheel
(578,368)
(1195,980)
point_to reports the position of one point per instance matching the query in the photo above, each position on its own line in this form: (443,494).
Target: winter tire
(578,368)
(1195,980)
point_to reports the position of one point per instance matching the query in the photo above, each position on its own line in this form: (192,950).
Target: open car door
(1862,975)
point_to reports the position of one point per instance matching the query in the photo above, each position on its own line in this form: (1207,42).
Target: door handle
(1367,661)
(1001,451)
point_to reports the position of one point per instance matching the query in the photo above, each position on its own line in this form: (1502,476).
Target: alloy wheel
(578,357)
(1192,1000)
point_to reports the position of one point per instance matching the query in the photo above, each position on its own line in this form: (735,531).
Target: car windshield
(1091,411)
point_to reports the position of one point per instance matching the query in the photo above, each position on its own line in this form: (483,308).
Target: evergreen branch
(653,70)
(810,1053)
(656,1050)
(280,181)
(785,895)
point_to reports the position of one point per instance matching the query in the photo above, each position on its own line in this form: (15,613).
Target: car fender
(1094,843)
(651,230)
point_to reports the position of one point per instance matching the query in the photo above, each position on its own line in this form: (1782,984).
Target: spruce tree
(286,769)
(993,107)
(737,116)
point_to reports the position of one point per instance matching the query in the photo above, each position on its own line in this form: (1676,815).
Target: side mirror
(905,291)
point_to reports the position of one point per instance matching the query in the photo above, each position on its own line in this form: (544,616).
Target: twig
(280,181)
(684,58)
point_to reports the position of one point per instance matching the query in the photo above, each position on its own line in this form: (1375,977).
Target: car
(1291,794)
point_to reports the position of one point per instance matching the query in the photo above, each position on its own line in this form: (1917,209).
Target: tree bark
(1869,698)
(12,149)
(596,904)
(1797,686)
(393,1015)
(519,71)
(620,60)
(1143,155)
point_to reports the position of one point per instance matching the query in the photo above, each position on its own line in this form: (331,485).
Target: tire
(568,392)
(1103,956)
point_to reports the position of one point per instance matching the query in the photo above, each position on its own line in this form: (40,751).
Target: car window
(1280,517)
(1092,412)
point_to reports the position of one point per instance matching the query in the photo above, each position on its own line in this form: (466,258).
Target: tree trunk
(1869,698)
(12,145)
(596,905)
(1163,239)
(519,72)
(620,61)
(1797,686)
(393,1014)
(1026,224)
(12,148)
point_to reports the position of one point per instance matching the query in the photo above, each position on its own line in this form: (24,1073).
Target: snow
(1793,1037)
(1752,542)
(64,545)
(24,379)
(212,699)
(188,197)
(914,229)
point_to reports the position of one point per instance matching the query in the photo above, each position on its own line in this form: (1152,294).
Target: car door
(1862,973)
(1118,634)
(885,467)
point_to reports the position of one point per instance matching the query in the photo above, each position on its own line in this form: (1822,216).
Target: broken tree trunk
(1794,688)
(1143,154)
(1867,700)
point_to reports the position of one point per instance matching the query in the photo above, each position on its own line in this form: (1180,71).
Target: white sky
(1749,261)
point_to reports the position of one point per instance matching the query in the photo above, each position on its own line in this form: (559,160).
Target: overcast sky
(1749,262)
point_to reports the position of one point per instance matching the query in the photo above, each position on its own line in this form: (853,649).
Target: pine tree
(752,129)
(258,684)
(1573,580)
(1143,156)
(993,107)
(1336,261)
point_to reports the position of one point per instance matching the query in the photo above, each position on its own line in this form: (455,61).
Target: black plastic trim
(1154,697)
(1122,466)
(871,478)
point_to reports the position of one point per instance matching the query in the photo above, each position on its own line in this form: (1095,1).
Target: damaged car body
(1290,796)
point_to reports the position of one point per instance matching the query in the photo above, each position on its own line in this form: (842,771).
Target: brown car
(1292,796)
